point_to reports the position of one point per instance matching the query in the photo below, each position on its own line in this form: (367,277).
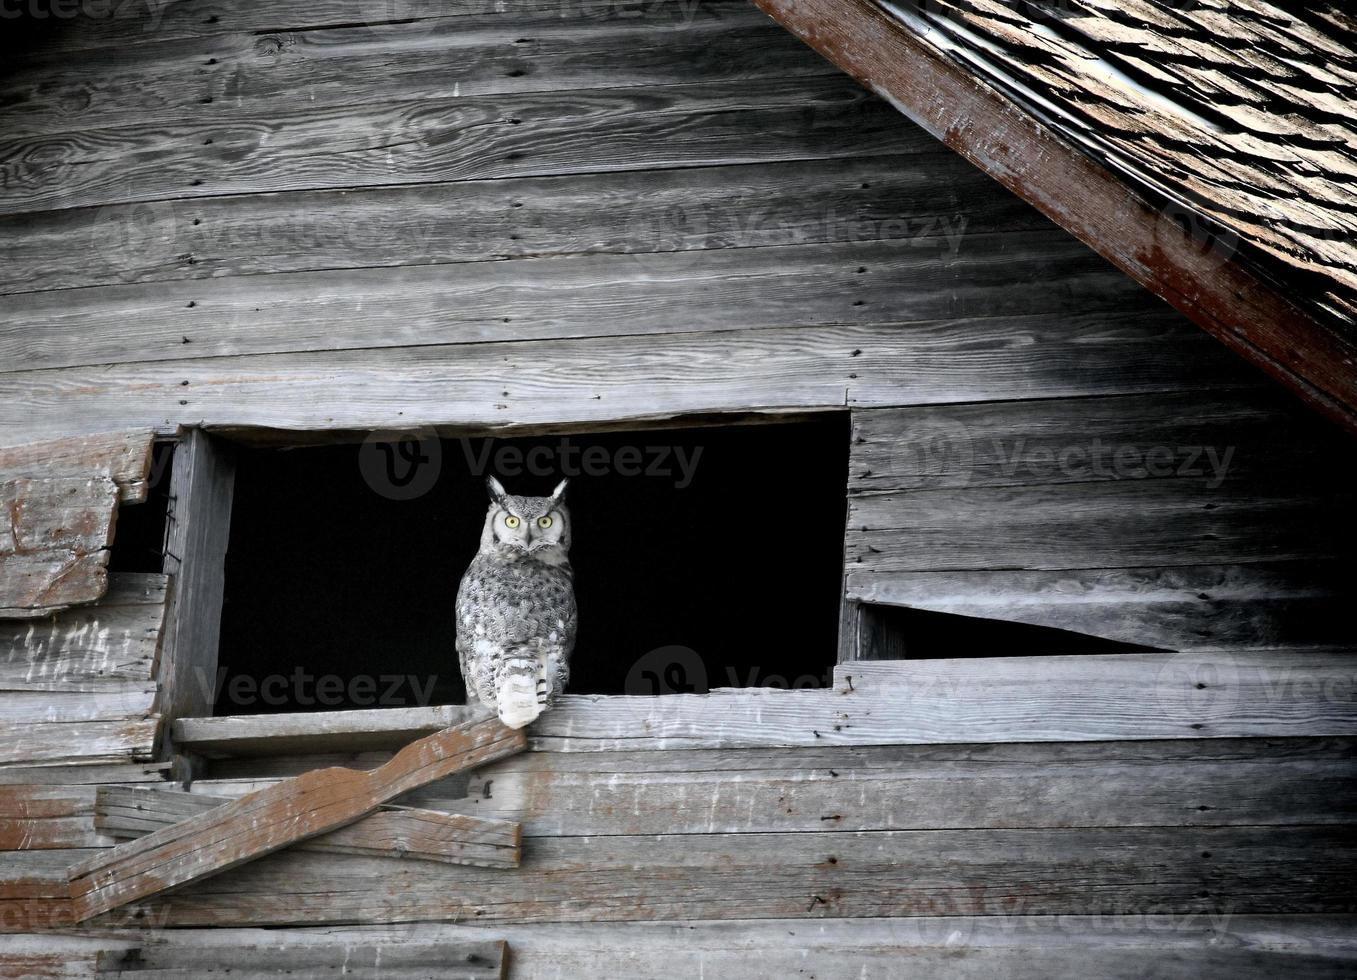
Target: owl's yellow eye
(511,521)
(544,522)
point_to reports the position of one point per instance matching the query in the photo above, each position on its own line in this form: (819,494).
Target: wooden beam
(273,818)
(197,530)
(1227,299)
(407,832)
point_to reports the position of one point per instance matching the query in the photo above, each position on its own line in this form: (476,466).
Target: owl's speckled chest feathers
(513,599)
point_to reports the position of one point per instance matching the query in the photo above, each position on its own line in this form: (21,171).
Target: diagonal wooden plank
(409,832)
(273,818)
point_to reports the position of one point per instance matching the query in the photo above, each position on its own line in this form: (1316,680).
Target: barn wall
(488,217)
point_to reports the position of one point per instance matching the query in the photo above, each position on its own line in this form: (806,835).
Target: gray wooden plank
(123,457)
(996,699)
(28,744)
(1177,607)
(198,527)
(862,283)
(88,648)
(485,960)
(74,772)
(127,812)
(1095,784)
(613,380)
(939,197)
(1193,435)
(314,731)
(1132,523)
(42,817)
(1029,872)
(54,545)
(124,26)
(248,75)
(1224,946)
(535,134)
(112,702)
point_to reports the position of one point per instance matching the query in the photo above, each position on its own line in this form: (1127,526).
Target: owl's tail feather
(521,691)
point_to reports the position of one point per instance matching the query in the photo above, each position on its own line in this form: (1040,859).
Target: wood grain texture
(281,72)
(1226,297)
(473,138)
(78,743)
(835,949)
(1179,607)
(1245,694)
(1202,437)
(314,731)
(39,817)
(54,543)
(197,528)
(546,299)
(59,500)
(1250,782)
(128,26)
(1127,947)
(999,699)
(1029,872)
(1096,525)
(123,457)
(262,822)
(406,832)
(90,648)
(485,960)
(923,198)
(616,379)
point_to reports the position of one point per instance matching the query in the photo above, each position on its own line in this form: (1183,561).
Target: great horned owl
(516,606)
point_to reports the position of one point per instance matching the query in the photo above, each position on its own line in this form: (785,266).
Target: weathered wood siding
(488,216)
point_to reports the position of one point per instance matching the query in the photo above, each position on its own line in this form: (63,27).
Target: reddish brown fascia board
(1001,138)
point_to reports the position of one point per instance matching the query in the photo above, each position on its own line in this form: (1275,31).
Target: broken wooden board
(60,500)
(123,457)
(407,832)
(273,818)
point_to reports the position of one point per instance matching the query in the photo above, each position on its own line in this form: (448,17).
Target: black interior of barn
(703,557)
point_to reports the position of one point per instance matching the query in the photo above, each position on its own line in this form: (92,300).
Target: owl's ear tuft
(496,490)
(558,494)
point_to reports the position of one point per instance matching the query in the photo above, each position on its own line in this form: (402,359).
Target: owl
(516,606)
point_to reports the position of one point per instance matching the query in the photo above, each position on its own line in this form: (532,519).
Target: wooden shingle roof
(1237,116)
(1224,131)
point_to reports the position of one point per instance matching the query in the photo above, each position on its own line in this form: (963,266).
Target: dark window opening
(897,633)
(704,557)
(139,534)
